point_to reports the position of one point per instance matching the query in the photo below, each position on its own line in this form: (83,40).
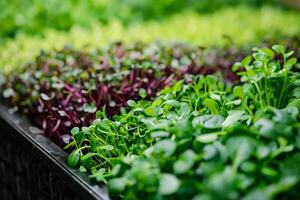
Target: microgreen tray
(49,154)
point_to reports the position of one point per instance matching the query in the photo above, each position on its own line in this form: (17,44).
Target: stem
(283,89)
(246,107)
(81,148)
(101,164)
(281,93)
(259,93)
(266,82)
(196,105)
(284,83)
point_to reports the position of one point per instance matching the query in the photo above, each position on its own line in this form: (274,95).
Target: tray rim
(50,154)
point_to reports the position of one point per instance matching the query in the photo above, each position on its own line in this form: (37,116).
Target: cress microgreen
(204,139)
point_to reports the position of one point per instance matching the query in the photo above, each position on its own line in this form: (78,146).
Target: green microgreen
(204,139)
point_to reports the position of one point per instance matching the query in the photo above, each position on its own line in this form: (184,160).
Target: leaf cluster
(63,89)
(204,139)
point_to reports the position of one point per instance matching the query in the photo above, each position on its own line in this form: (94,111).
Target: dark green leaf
(74,158)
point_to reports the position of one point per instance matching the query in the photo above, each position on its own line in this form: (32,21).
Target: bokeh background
(28,26)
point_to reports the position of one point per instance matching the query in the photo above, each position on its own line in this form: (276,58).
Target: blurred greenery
(27,26)
(243,25)
(33,16)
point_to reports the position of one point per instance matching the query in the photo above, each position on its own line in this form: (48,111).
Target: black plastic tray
(50,154)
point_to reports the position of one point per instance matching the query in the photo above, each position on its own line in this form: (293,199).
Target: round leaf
(207,138)
(168,184)
(131,103)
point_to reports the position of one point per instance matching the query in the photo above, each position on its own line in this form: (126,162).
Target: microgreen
(268,81)
(201,137)
(204,139)
(63,89)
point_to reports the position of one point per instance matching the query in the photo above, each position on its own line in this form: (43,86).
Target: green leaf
(296,93)
(291,62)
(131,103)
(158,110)
(260,56)
(238,91)
(289,54)
(185,109)
(211,105)
(100,114)
(75,131)
(74,158)
(248,166)
(240,149)
(215,96)
(284,184)
(156,102)
(150,111)
(208,121)
(207,138)
(107,147)
(279,49)
(265,127)
(209,152)
(294,103)
(268,171)
(233,117)
(268,51)
(173,103)
(246,61)
(257,194)
(164,148)
(117,184)
(142,92)
(168,184)
(166,90)
(88,155)
(185,162)
(96,122)
(79,137)
(116,169)
(234,102)
(82,169)
(178,86)
(159,134)
(90,108)
(236,66)
(262,152)
(99,175)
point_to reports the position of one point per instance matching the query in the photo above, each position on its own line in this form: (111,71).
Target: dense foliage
(205,139)
(200,29)
(32,16)
(161,121)
(64,89)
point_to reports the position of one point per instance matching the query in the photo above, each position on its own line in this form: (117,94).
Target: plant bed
(205,139)
(150,149)
(54,156)
(63,89)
